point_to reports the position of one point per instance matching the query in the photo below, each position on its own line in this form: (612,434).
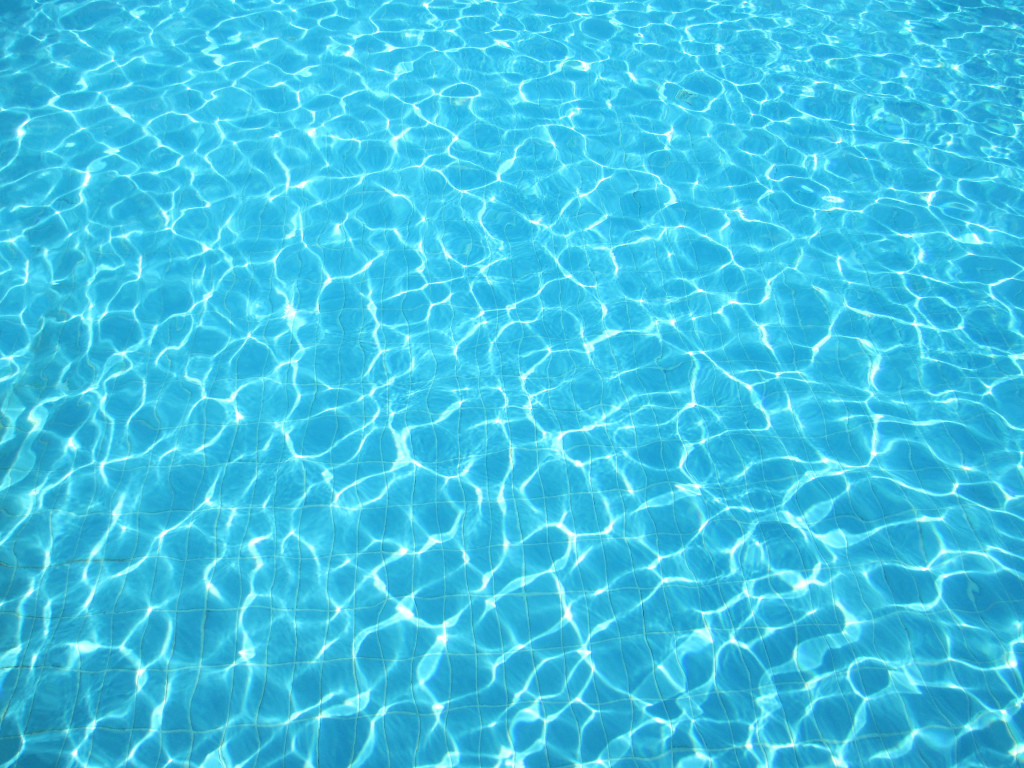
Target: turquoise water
(523,384)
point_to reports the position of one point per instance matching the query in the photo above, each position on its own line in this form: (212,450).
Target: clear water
(523,384)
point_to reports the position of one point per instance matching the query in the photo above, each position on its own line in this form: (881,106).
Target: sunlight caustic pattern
(511,384)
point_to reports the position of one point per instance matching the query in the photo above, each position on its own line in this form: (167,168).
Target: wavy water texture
(520,384)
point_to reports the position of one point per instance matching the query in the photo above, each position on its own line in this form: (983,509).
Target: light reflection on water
(532,384)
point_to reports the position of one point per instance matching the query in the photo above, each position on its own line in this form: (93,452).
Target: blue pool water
(511,384)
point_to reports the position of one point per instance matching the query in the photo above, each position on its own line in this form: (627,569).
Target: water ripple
(535,384)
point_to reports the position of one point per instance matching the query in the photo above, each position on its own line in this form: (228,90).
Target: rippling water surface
(511,384)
